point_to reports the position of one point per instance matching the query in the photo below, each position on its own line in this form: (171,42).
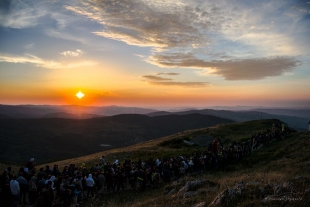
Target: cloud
(191,25)
(183,84)
(50,64)
(69,53)
(146,23)
(168,73)
(21,14)
(157,80)
(65,35)
(218,34)
(234,69)
(30,46)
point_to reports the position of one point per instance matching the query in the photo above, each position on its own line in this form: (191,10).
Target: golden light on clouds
(80,95)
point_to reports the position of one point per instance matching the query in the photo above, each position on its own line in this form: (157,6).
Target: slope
(57,139)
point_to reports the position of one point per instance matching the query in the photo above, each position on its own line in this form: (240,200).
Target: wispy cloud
(183,84)
(217,33)
(50,64)
(168,73)
(157,80)
(235,69)
(30,46)
(145,23)
(69,53)
(18,14)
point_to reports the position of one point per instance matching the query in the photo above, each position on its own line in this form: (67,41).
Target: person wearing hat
(31,164)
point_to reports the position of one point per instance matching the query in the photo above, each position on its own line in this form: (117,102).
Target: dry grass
(230,132)
(276,163)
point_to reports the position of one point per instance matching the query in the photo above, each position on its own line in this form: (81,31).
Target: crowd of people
(72,185)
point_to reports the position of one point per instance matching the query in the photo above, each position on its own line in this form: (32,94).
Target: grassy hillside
(166,146)
(284,161)
(68,138)
(280,162)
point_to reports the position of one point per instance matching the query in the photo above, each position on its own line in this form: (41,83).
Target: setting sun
(80,95)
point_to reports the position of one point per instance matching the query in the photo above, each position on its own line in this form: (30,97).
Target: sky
(153,53)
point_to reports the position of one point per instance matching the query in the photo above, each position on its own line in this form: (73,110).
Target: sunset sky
(153,53)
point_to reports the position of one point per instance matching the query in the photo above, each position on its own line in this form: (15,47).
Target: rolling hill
(300,123)
(52,139)
(274,175)
(297,118)
(67,111)
(258,176)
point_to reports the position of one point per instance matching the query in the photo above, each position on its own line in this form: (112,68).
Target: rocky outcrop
(191,186)
(190,194)
(270,194)
(171,192)
(202,204)
(227,197)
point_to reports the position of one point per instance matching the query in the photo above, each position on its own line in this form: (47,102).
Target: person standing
(33,191)
(31,164)
(90,183)
(23,186)
(102,160)
(283,127)
(15,191)
(101,179)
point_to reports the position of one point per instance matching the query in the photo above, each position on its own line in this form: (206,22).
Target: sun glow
(80,95)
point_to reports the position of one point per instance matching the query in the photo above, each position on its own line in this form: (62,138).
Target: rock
(191,185)
(262,190)
(178,182)
(171,192)
(276,200)
(278,190)
(228,195)
(190,194)
(299,177)
(241,186)
(202,204)
(252,183)
(268,189)
(269,199)
(181,191)
(287,187)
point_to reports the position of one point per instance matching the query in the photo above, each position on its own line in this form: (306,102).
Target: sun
(80,95)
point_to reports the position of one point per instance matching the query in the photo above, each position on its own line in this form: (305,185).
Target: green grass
(278,162)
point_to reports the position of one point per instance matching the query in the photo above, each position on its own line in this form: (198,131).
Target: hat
(31,159)
(26,169)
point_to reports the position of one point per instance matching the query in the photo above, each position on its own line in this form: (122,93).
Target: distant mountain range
(66,111)
(296,118)
(299,123)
